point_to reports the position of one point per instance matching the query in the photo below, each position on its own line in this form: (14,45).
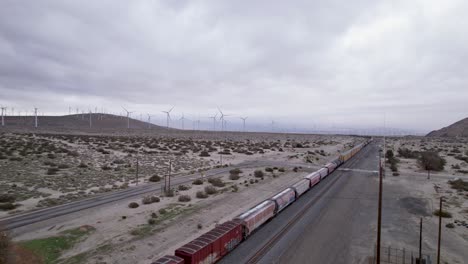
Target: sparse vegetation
(154,178)
(133,205)
(185,198)
(281,169)
(258,173)
(197,182)
(150,200)
(459,184)
(450,225)
(218,182)
(443,213)
(408,154)
(201,195)
(431,161)
(5,243)
(268,169)
(210,190)
(183,187)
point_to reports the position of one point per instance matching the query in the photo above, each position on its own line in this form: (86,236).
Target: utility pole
(169,176)
(440,231)
(137,168)
(379,213)
(420,241)
(221,159)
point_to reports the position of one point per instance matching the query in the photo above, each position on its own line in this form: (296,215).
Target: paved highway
(332,223)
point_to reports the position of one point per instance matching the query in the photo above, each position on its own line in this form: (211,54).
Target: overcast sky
(326,63)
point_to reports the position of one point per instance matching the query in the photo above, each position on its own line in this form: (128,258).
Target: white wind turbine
(183,119)
(243,120)
(168,116)
(222,119)
(128,117)
(214,121)
(35,115)
(3,113)
(149,121)
(90,122)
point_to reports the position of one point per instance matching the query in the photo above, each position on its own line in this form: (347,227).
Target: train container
(301,187)
(256,216)
(314,178)
(337,162)
(330,167)
(168,259)
(323,173)
(283,199)
(213,245)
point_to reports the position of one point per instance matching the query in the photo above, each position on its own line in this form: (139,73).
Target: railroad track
(272,241)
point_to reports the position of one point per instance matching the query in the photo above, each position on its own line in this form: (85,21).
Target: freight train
(216,243)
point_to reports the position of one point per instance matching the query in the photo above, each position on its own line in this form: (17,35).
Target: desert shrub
(197,182)
(389,154)
(154,178)
(199,226)
(7,198)
(170,193)
(268,169)
(393,167)
(82,165)
(210,190)
(252,181)
(152,221)
(234,177)
(162,211)
(408,154)
(51,156)
(396,174)
(133,205)
(281,169)
(154,215)
(63,166)
(456,167)
(52,171)
(204,154)
(459,184)
(201,195)
(183,187)
(234,188)
(443,213)
(7,206)
(295,169)
(216,182)
(185,198)
(150,199)
(16,159)
(258,174)
(450,225)
(431,161)
(119,161)
(235,171)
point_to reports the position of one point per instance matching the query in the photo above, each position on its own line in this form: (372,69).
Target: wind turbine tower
(90,122)
(183,119)
(149,121)
(222,119)
(3,112)
(243,120)
(214,121)
(35,117)
(168,116)
(128,117)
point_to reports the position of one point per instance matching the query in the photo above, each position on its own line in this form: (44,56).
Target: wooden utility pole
(170,166)
(137,168)
(420,241)
(379,213)
(440,231)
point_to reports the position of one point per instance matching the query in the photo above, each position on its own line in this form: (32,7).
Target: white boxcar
(331,167)
(314,178)
(323,172)
(301,187)
(284,198)
(256,216)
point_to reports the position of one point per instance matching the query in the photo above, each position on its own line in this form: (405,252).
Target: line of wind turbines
(219,116)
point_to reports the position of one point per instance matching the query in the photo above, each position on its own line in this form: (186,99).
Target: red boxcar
(257,216)
(213,245)
(314,178)
(284,198)
(168,259)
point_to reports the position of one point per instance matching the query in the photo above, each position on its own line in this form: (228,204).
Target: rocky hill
(458,129)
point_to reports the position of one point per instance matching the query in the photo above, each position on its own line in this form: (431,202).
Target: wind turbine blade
(171,109)
(124,109)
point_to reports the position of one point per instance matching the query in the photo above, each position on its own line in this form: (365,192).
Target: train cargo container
(168,259)
(323,173)
(283,199)
(213,245)
(314,178)
(337,162)
(256,216)
(301,187)
(330,166)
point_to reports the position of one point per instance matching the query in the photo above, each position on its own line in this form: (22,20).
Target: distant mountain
(78,122)
(458,129)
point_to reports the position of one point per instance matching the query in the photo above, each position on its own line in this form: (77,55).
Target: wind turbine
(128,117)
(214,121)
(243,119)
(35,119)
(90,122)
(149,121)
(3,112)
(272,125)
(222,118)
(168,116)
(183,119)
